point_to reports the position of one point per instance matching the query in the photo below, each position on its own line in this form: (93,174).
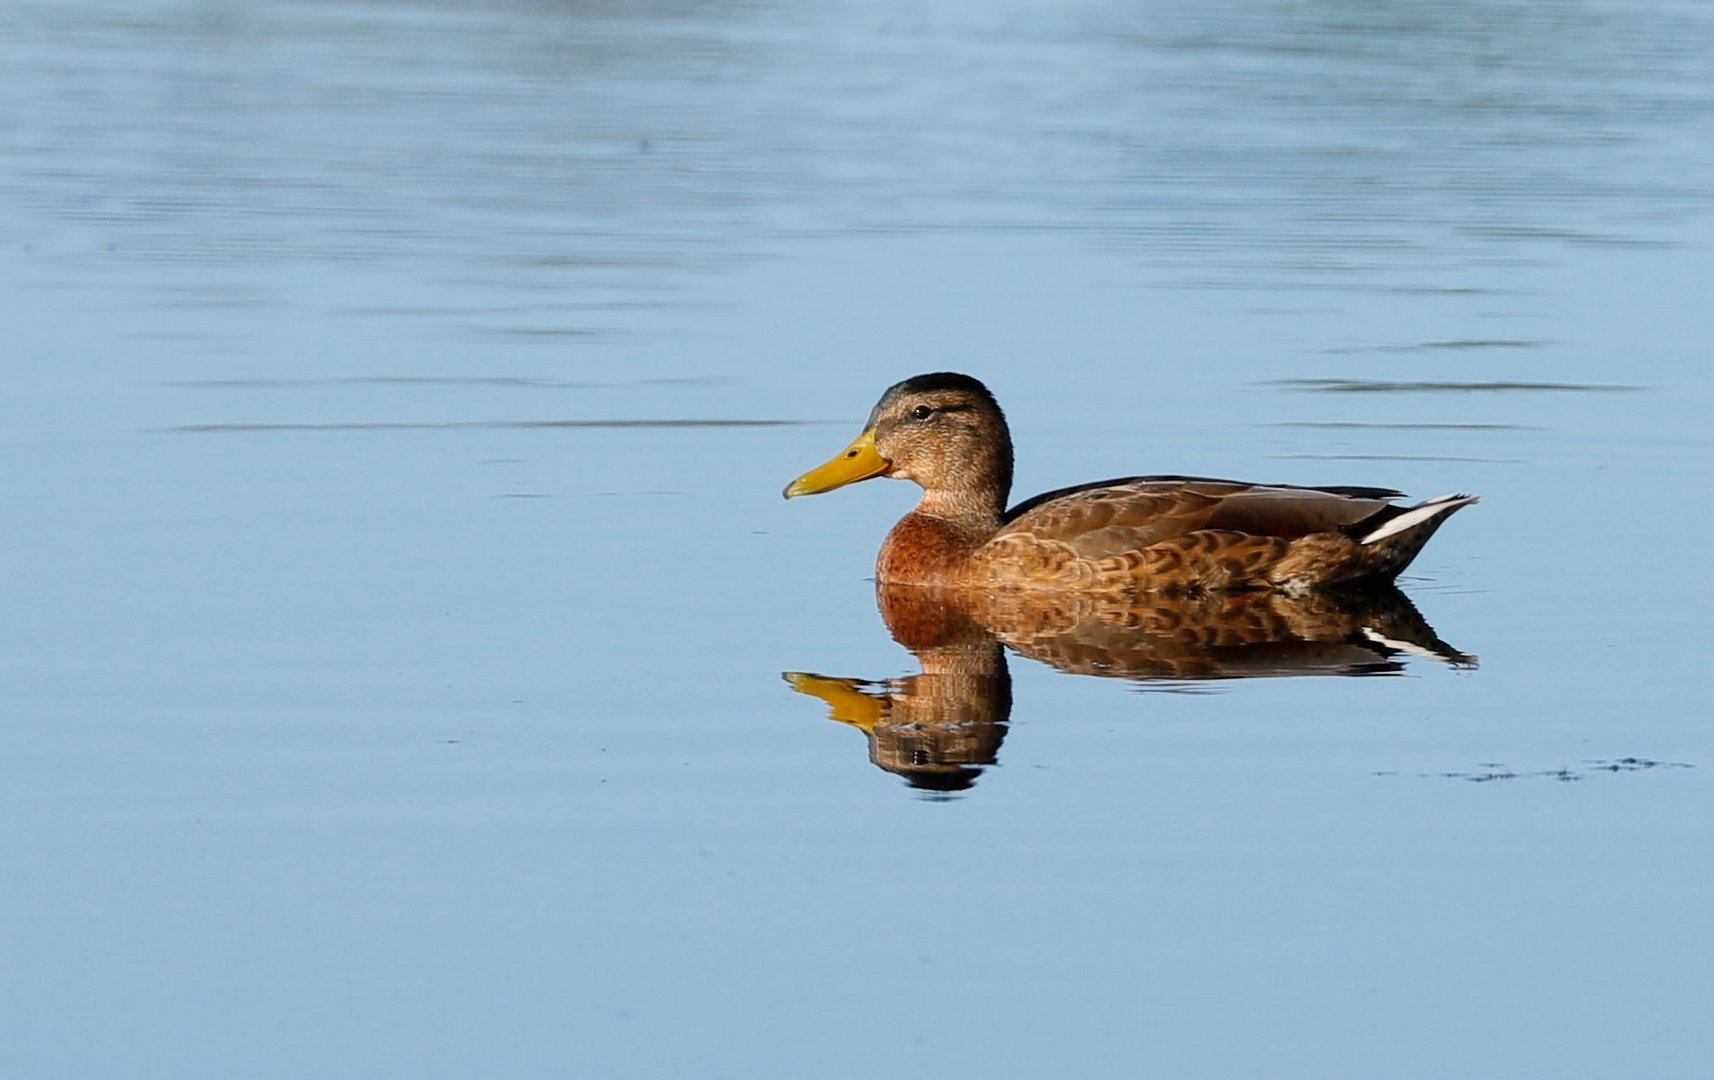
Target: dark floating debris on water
(1631,764)
(1492,771)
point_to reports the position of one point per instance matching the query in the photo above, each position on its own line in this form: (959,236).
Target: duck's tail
(1395,540)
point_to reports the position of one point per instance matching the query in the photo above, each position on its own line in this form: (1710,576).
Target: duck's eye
(923,412)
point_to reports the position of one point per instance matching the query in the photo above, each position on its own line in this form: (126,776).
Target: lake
(411,668)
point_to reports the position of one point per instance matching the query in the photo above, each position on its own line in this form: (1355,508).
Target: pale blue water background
(361,718)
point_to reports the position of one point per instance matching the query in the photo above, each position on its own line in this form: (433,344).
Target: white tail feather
(1416,515)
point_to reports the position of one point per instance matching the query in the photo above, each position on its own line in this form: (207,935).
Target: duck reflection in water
(939,728)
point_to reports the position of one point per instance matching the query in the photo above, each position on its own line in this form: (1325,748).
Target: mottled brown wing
(1115,516)
(1293,512)
(1100,520)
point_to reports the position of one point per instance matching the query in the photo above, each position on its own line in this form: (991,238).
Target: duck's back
(1165,532)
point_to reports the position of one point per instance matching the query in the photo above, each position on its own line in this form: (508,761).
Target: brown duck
(1137,534)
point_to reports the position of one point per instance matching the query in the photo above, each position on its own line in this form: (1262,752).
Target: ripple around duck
(1413,386)
(1394,457)
(507,382)
(1346,425)
(1452,345)
(467,425)
(1491,771)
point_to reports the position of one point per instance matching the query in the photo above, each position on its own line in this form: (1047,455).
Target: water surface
(399,589)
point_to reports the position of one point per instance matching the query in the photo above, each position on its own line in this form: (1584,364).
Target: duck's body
(1147,533)
(1132,535)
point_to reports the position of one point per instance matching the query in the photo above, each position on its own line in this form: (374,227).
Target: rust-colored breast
(924,550)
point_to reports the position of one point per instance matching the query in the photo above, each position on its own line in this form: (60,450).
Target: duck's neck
(968,509)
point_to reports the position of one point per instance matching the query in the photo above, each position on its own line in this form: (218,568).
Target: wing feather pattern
(1116,516)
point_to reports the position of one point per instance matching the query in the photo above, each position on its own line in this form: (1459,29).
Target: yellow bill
(859,461)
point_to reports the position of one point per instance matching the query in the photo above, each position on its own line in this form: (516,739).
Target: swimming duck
(1133,535)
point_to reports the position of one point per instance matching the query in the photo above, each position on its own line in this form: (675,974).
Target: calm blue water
(398,588)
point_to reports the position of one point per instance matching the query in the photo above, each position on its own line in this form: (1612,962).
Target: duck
(1129,536)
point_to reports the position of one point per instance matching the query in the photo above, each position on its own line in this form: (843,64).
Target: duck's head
(944,431)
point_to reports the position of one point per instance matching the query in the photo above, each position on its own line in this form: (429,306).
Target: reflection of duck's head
(939,728)
(943,726)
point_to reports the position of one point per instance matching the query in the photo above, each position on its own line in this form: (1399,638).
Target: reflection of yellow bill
(859,461)
(846,703)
